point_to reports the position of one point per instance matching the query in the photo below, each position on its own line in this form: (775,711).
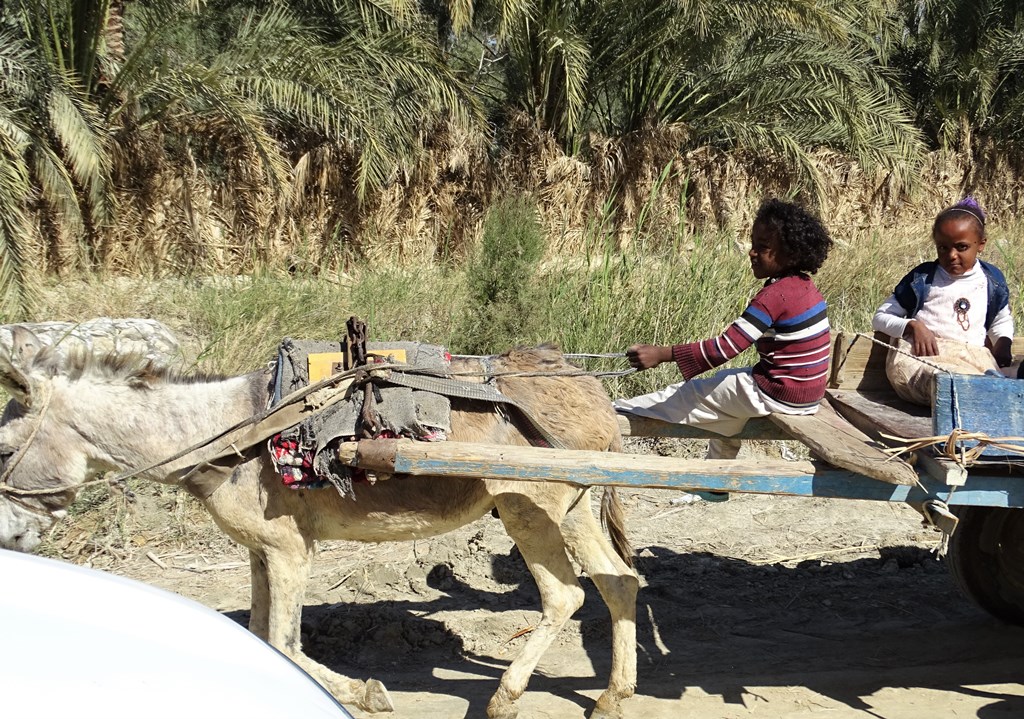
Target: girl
(787,321)
(946,309)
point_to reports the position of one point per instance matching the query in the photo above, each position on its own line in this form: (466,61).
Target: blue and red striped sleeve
(694,358)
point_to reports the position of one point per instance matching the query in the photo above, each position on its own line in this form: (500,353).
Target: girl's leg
(725,448)
(913,379)
(722,403)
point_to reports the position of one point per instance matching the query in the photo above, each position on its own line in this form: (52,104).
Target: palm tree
(769,78)
(962,62)
(53,145)
(329,99)
(105,94)
(15,187)
(336,73)
(778,83)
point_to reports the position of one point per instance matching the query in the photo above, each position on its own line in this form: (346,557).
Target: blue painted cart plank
(581,468)
(980,403)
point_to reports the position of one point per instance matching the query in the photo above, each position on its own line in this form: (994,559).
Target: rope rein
(897,350)
(17,456)
(953,448)
(540,373)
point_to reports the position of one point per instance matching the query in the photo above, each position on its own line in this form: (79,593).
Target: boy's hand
(647,356)
(1002,352)
(921,338)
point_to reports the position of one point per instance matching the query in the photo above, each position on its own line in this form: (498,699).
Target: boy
(786,319)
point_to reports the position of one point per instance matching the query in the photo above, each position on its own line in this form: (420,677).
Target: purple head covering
(971,207)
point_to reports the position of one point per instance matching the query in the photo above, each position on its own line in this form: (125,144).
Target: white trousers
(721,403)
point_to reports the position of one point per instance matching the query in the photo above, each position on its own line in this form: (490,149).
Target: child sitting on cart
(953,311)
(786,319)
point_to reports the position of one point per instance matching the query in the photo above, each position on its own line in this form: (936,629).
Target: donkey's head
(37,451)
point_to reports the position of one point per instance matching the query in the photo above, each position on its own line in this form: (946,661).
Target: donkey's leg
(540,542)
(259,614)
(618,585)
(288,572)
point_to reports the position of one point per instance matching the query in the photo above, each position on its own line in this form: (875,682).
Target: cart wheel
(986,559)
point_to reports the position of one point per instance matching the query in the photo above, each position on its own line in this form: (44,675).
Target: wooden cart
(847,440)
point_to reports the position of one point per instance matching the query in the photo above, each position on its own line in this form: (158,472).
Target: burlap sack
(914,380)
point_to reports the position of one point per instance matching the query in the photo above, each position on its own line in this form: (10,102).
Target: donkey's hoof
(376,697)
(609,706)
(502,709)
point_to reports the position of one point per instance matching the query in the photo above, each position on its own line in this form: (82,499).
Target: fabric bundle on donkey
(71,421)
(301,453)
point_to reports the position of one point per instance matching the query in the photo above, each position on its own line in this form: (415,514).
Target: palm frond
(16,296)
(807,95)
(76,128)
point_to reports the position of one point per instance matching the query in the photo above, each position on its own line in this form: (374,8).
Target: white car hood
(81,643)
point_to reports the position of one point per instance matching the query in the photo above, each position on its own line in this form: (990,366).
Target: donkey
(72,419)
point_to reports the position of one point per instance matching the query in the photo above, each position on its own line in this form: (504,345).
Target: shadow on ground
(841,629)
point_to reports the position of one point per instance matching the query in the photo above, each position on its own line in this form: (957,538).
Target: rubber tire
(986,559)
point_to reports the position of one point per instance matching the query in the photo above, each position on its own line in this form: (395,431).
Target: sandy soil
(759,606)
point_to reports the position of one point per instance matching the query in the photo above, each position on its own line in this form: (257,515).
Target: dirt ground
(759,606)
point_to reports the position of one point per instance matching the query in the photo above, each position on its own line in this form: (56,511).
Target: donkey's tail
(614,523)
(612,516)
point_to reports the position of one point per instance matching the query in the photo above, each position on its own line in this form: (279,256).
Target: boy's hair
(967,207)
(802,238)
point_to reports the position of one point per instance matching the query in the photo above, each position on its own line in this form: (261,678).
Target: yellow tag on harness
(325,364)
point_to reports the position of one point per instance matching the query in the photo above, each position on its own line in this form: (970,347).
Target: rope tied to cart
(954,447)
(961,446)
(897,350)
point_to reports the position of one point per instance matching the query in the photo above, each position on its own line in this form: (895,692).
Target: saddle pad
(403,411)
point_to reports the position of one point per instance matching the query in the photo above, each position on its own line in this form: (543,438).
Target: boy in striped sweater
(787,321)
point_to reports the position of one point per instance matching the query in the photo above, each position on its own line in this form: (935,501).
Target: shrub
(503,295)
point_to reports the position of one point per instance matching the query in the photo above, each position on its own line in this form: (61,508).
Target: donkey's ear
(15,381)
(24,345)
(14,361)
